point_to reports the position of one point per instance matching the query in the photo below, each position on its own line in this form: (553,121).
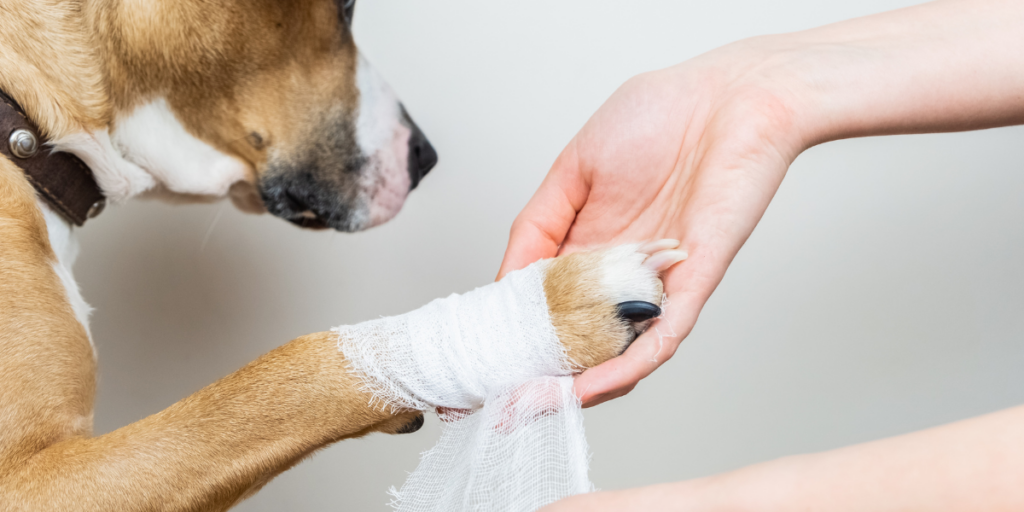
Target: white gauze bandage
(492,351)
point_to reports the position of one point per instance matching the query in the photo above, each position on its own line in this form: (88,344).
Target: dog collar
(61,178)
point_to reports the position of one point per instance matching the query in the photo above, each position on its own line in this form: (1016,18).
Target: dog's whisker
(209,230)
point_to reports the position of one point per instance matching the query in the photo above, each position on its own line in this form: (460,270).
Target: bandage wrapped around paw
(494,352)
(513,437)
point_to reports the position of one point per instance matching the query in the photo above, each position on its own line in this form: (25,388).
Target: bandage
(492,351)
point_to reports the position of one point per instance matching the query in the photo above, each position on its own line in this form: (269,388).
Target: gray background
(881,293)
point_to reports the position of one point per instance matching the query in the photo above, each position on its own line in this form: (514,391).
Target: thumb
(541,227)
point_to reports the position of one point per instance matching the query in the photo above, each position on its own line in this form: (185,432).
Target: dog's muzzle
(322,192)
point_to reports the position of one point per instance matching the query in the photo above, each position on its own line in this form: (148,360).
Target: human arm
(971,465)
(695,152)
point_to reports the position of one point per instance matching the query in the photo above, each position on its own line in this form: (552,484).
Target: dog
(269,103)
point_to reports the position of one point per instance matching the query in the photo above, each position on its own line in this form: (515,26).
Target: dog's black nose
(422,156)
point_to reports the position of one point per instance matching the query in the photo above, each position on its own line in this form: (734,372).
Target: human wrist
(799,77)
(934,67)
(769,80)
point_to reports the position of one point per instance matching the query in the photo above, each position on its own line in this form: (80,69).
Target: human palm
(684,153)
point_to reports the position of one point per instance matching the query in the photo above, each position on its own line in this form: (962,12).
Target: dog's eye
(348,8)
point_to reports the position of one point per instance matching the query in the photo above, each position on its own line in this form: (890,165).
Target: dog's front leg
(213,448)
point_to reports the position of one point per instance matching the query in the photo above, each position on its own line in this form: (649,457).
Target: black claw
(638,311)
(412,426)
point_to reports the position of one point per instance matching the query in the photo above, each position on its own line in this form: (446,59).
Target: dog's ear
(346,9)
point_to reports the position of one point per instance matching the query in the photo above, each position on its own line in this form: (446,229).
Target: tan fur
(228,69)
(47,364)
(584,319)
(52,66)
(252,66)
(582,311)
(225,68)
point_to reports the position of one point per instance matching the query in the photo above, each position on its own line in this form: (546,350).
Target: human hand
(694,153)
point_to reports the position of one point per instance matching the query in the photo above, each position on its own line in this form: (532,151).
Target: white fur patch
(379,112)
(65,247)
(153,138)
(118,178)
(151,146)
(384,141)
(624,275)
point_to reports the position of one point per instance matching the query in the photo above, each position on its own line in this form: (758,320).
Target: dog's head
(267,99)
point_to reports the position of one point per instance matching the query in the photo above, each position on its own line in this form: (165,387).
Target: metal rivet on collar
(24,144)
(97,208)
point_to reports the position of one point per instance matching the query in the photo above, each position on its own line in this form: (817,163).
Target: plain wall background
(882,292)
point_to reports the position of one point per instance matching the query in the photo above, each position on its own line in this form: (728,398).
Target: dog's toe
(601,300)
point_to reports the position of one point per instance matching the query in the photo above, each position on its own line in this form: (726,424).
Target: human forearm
(696,151)
(972,465)
(941,66)
(977,464)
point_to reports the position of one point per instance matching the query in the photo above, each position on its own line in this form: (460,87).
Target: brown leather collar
(62,178)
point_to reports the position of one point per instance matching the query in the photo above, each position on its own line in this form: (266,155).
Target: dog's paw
(601,300)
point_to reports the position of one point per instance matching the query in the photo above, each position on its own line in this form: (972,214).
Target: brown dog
(266,101)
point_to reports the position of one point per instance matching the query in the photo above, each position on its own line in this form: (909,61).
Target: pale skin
(696,152)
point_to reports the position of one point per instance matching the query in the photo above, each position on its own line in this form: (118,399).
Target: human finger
(618,376)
